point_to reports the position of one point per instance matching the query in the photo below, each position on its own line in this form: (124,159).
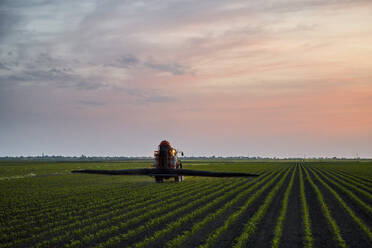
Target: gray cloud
(8,21)
(57,55)
(40,76)
(3,66)
(143,96)
(92,103)
(174,68)
(159,99)
(58,77)
(83,84)
(96,32)
(128,60)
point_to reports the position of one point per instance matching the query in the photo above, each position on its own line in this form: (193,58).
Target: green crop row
(351,177)
(60,224)
(100,220)
(107,227)
(360,223)
(43,222)
(55,202)
(279,226)
(251,226)
(355,174)
(180,239)
(356,185)
(64,211)
(327,212)
(333,180)
(130,212)
(308,239)
(170,226)
(213,238)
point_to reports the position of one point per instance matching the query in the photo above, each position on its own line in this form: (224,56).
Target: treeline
(124,158)
(73,158)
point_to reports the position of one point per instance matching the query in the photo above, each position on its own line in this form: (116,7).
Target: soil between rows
(105,209)
(364,188)
(228,238)
(264,233)
(358,210)
(363,179)
(100,239)
(321,231)
(293,230)
(160,243)
(350,231)
(202,235)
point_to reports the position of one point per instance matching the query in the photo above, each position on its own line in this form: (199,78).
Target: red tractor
(166,158)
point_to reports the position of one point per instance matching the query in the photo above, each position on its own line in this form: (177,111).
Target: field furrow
(222,235)
(113,207)
(336,233)
(106,228)
(292,203)
(94,222)
(193,235)
(275,243)
(250,228)
(362,179)
(346,193)
(353,229)
(173,227)
(306,221)
(357,185)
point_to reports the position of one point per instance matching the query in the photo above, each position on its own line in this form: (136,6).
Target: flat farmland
(291,204)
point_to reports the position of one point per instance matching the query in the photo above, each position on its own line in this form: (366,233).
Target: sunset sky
(278,78)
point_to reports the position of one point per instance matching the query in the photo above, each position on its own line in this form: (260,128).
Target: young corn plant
(327,213)
(251,226)
(279,226)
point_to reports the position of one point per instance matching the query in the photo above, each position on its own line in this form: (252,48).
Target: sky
(284,78)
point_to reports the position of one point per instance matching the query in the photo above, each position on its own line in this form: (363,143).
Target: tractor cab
(166,158)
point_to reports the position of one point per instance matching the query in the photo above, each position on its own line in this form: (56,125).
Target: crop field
(291,204)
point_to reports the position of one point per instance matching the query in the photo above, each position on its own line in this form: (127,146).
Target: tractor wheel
(178,178)
(158,179)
